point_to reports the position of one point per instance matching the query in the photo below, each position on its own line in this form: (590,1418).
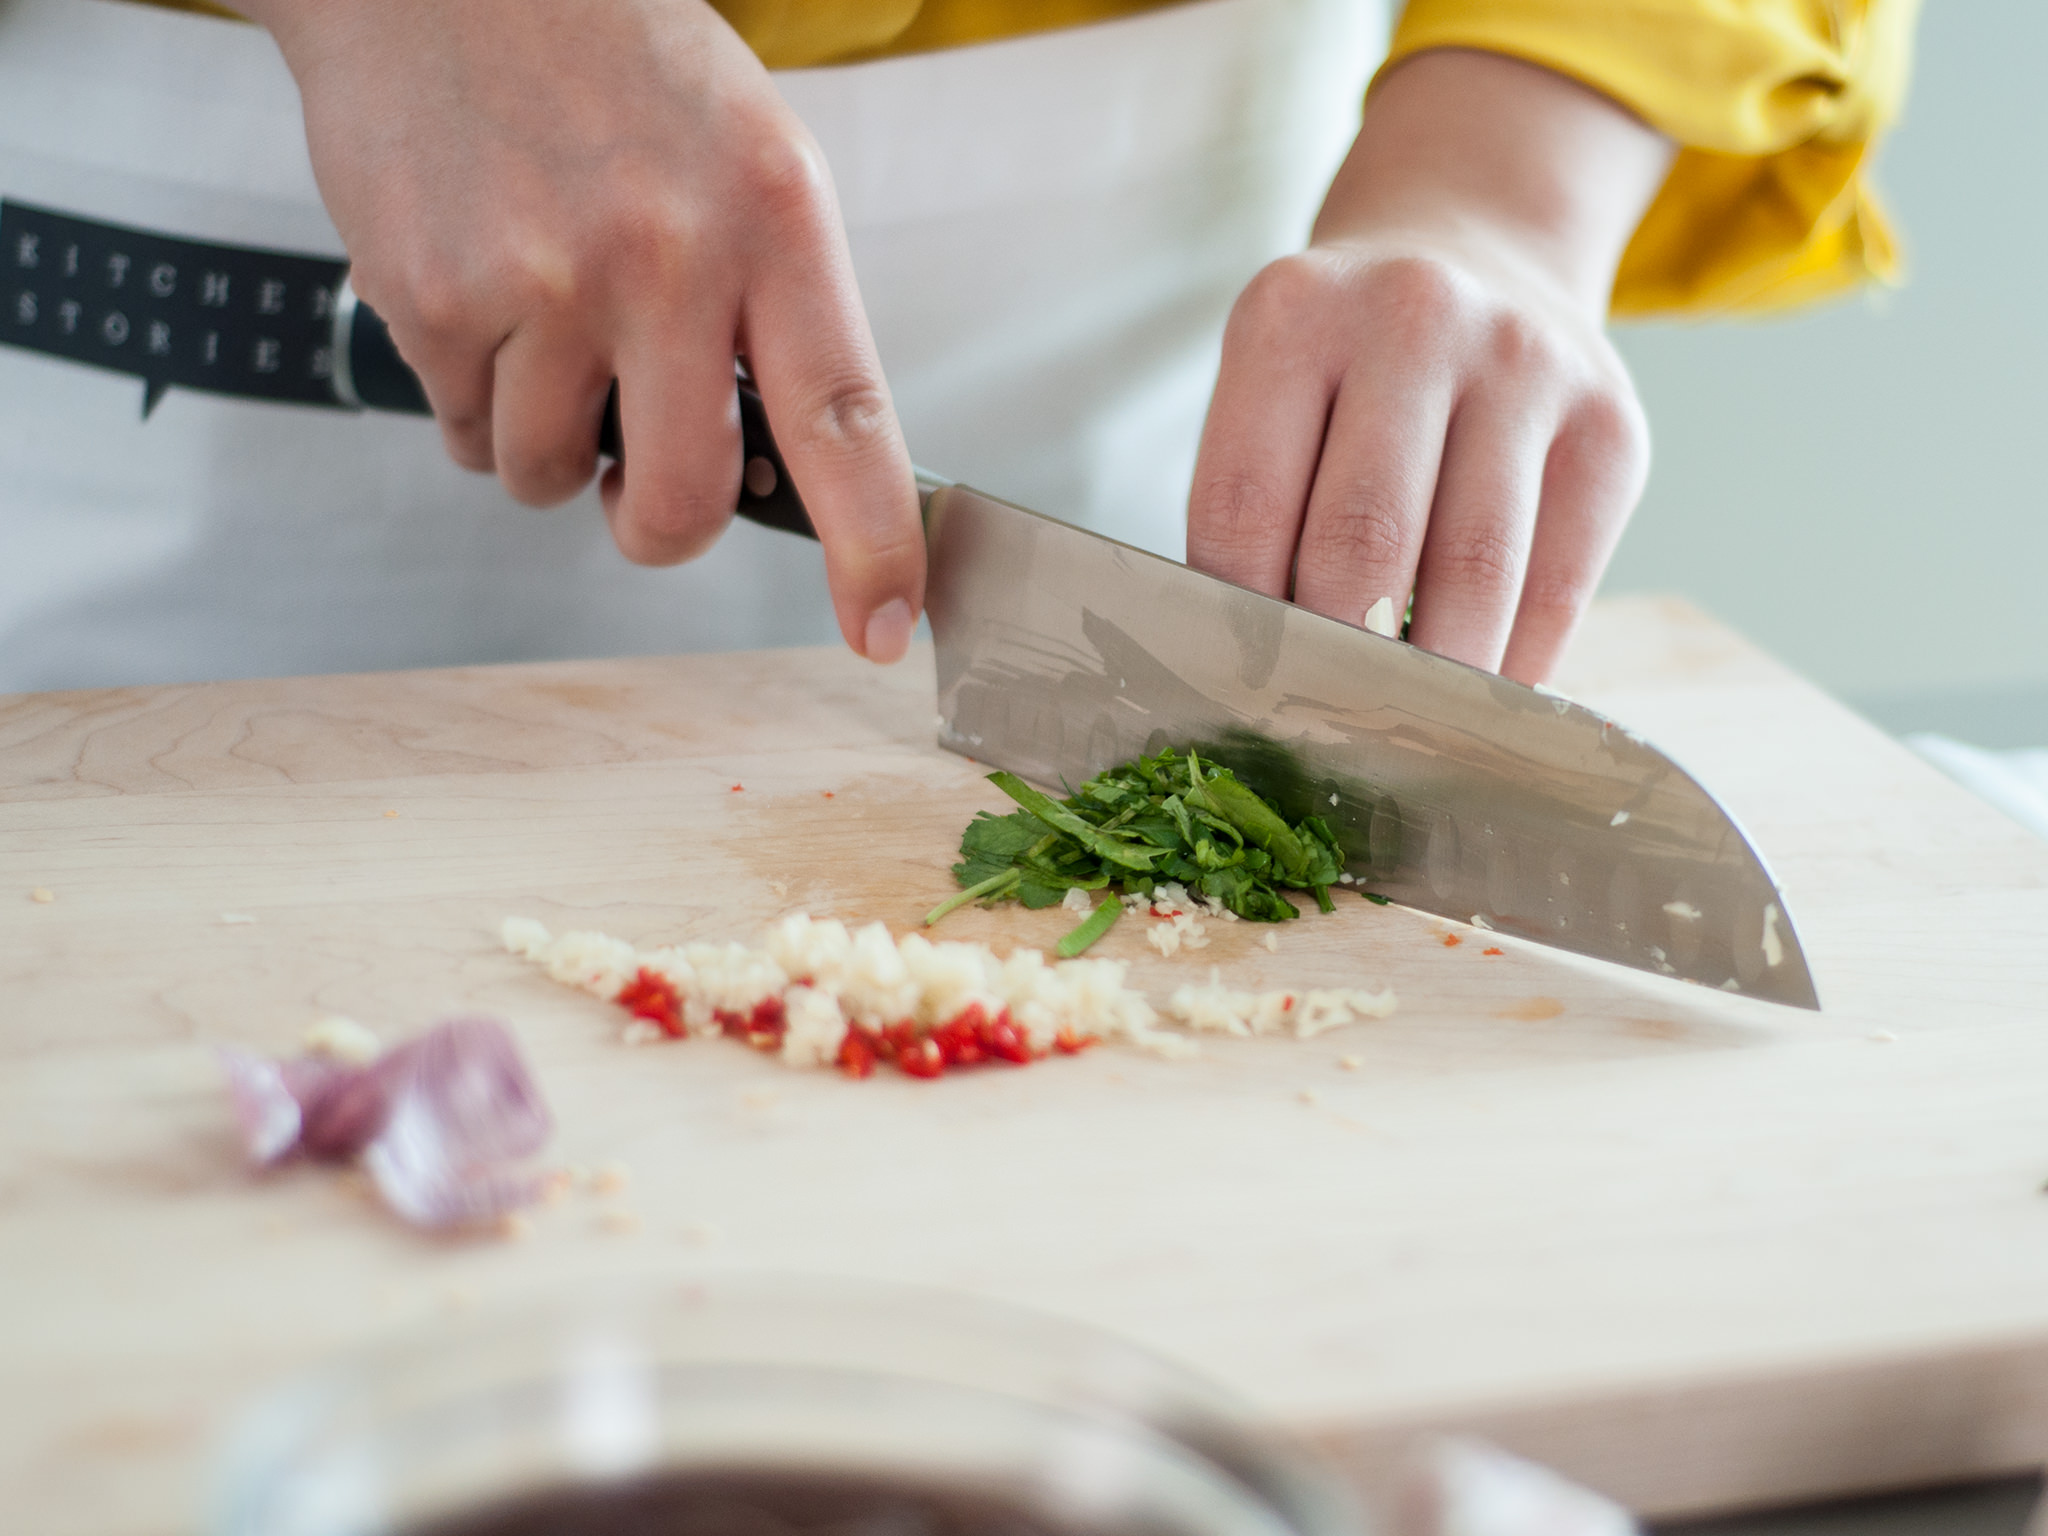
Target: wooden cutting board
(1693,1249)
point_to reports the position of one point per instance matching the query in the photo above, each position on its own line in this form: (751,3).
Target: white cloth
(1048,232)
(1465,1487)
(2015,782)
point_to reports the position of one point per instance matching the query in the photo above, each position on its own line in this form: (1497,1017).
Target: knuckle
(468,440)
(1419,296)
(845,414)
(648,240)
(1520,345)
(1483,561)
(1612,426)
(543,476)
(438,303)
(1600,459)
(894,551)
(1558,594)
(1285,296)
(670,525)
(1237,515)
(537,276)
(473,297)
(1364,531)
(785,177)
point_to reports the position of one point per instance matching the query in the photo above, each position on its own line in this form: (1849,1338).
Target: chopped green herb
(1057,816)
(1377,899)
(1091,927)
(997,885)
(1223,796)
(1173,817)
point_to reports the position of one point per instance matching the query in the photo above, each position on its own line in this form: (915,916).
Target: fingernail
(888,632)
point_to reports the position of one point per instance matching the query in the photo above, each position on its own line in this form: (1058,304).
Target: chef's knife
(1453,791)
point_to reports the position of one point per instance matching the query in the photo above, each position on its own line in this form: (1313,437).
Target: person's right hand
(541,198)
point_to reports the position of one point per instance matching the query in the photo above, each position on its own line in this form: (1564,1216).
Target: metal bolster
(341,338)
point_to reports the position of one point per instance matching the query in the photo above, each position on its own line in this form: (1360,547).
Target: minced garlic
(819,994)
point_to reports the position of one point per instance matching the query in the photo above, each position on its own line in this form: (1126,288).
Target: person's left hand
(1423,402)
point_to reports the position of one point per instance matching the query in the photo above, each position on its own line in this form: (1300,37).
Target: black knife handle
(376,378)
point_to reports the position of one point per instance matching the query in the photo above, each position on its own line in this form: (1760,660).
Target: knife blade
(1452,791)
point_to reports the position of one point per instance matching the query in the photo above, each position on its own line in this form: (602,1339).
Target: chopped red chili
(652,996)
(857,1055)
(1493,949)
(1003,1040)
(1452,941)
(767,1024)
(959,1039)
(762,1027)
(969,1039)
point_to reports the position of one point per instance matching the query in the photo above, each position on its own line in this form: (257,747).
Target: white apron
(1048,234)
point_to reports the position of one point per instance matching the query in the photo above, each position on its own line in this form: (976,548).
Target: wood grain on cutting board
(1696,1250)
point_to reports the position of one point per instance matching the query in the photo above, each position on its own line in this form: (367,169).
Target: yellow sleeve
(1776,106)
(794,34)
(798,34)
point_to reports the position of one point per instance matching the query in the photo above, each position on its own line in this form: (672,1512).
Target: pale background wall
(1863,490)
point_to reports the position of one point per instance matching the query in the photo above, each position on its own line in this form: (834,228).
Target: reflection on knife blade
(1062,653)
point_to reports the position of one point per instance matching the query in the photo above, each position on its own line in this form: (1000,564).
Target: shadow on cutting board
(1976,1509)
